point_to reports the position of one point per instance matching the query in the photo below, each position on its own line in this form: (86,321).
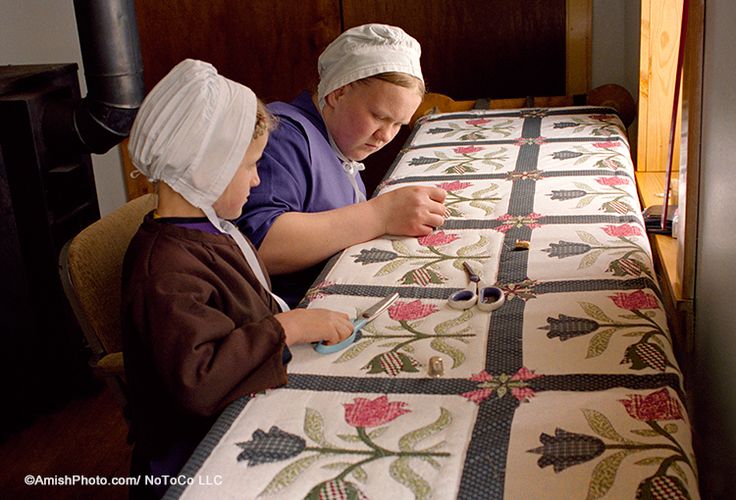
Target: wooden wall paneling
(578,46)
(479,48)
(271,46)
(660,37)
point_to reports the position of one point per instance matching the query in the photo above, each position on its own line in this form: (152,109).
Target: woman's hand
(313,325)
(412,210)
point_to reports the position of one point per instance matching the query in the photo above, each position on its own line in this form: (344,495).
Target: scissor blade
(376,309)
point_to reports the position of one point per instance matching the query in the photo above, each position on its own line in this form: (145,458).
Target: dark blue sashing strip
(543,174)
(441,293)
(484,470)
(204,449)
(504,114)
(492,142)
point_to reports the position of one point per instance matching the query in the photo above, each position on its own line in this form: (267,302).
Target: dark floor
(85,438)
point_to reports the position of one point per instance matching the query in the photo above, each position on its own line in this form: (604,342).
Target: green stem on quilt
(659,430)
(641,249)
(667,462)
(651,321)
(642,447)
(461,199)
(623,325)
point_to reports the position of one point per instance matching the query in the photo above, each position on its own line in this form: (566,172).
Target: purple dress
(299,172)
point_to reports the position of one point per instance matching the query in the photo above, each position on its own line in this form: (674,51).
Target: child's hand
(312,325)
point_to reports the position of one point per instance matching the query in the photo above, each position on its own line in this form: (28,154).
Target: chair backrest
(90,267)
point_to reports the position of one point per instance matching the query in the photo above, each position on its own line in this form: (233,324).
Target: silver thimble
(436,367)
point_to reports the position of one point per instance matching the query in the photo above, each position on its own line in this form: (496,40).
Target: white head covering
(192,132)
(364,51)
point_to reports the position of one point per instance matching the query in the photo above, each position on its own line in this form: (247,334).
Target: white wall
(715,280)
(45,31)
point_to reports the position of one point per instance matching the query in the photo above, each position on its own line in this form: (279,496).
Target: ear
(336,95)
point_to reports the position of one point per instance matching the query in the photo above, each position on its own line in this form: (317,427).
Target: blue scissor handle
(323,348)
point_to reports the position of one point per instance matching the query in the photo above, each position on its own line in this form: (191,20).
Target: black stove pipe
(108,36)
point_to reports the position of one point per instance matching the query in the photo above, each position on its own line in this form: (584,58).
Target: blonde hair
(401,79)
(265,121)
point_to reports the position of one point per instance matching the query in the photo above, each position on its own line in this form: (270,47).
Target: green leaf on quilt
(633,334)
(595,312)
(337,466)
(410,439)
(440,154)
(501,391)
(439,345)
(650,461)
(288,474)
(600,424)
(435,447)
(400,247)
(453,212)
(582,159)
(599,343)
(402,473)
(629,316)
(431,461)
(350,438)
(487,208)
(354,350)
(645,432)
(681,473)
(484,191)
(393,343)
(481,244)
(378,432)
(584,202)
(408,348)
(589,259)
(588,238)
(314,426)
(395,327)
(390,267)
(583,186)
(444,327)
(670,428)
(493,163)
(604,475)
(359,473)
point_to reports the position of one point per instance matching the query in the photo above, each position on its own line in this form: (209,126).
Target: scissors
(358,323)
(488,298)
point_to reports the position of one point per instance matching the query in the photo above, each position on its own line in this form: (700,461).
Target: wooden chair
(90,266)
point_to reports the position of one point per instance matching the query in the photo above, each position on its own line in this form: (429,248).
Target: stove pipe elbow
(113,68)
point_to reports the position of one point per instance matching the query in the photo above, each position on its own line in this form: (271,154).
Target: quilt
(569,390)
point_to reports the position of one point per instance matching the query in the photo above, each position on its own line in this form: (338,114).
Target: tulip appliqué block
(672,467)
(369,419)
(650,351)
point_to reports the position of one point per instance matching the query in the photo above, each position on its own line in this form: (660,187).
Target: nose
(385,133)
(255,180)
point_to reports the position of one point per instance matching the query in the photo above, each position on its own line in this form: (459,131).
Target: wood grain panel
(660,37)
(479,48)
(270,45)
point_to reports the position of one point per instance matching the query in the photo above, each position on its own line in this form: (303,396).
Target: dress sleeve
(284,185)
(206,358)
